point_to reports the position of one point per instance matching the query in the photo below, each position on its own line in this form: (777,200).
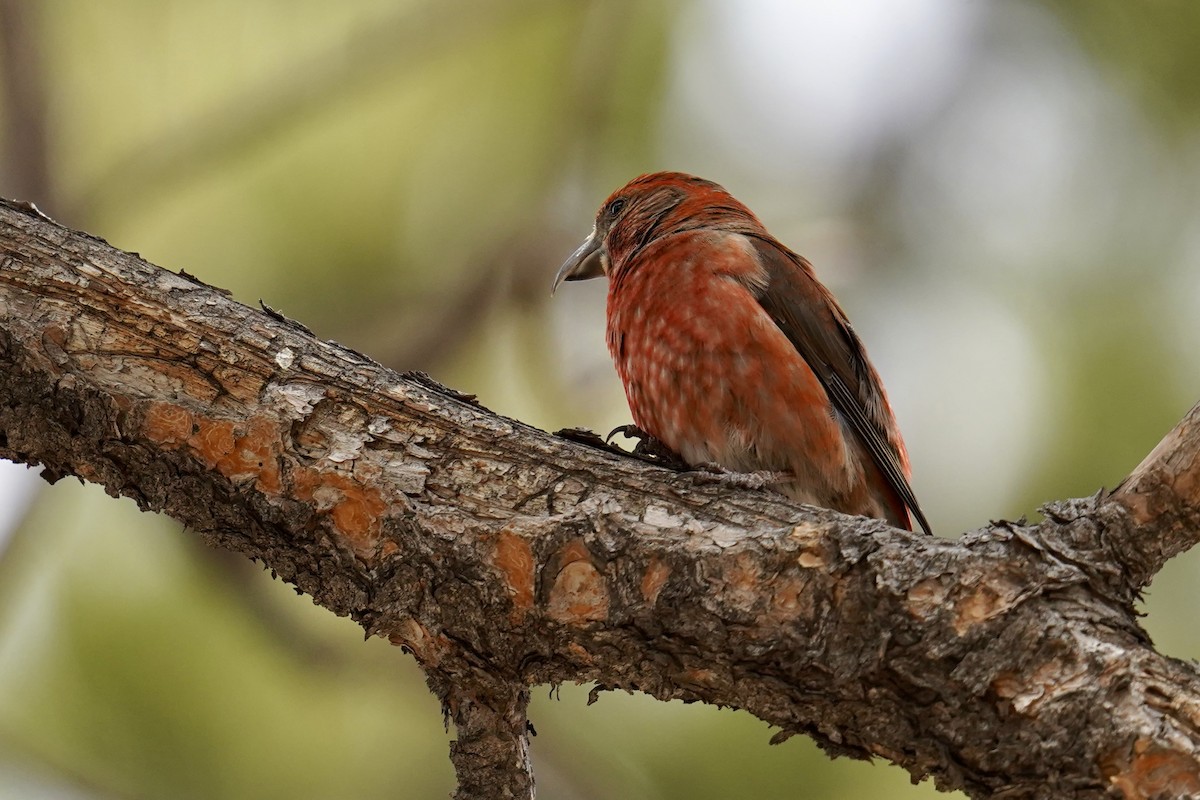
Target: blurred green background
(1004,195)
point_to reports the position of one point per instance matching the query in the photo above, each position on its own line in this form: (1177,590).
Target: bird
(732,352)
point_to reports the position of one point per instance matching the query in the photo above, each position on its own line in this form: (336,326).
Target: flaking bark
(1008,662)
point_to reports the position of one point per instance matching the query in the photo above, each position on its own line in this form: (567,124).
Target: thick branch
(1006,663)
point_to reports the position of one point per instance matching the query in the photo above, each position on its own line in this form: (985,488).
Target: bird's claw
(629,431)
(648,447)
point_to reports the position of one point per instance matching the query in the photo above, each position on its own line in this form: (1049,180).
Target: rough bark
(1008,662)
(1163,494)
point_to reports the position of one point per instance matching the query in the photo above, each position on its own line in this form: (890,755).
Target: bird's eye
(616,206)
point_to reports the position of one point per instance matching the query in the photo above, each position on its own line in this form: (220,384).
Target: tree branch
(1162,496)
(1008,663)
(491,753)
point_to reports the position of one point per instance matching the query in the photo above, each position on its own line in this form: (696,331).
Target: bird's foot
(761,479)
(649,448)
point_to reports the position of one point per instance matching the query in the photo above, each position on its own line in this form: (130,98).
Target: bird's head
(648,208)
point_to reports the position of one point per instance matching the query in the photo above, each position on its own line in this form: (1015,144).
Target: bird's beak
(584,264)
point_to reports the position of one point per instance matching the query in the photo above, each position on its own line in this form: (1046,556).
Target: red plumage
(732,352)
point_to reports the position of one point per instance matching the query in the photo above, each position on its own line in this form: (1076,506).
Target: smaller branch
(1162,498)
(491,753)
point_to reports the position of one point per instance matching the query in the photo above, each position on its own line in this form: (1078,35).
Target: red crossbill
(732,352)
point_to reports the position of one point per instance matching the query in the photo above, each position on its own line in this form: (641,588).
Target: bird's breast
(707,371)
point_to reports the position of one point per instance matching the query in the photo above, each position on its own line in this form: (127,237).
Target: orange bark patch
(257,454)
(1044,684)
(167,424)
(213,439)
(427,648)
(357,515)
(790,600)
(574,550)
(742,581)
(813,553)
(654,579)
(580,655)
(811,559)
(514,558)
(697,678)
(1151,771)
(993,595)
(980,605)
(355,509)
(926,597)
(580,591)
(251,454)
(55,336)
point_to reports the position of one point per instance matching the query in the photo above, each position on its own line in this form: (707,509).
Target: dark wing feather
(814,323)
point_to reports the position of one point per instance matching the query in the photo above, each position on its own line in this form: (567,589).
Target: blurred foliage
(1003,194)
(1151,49)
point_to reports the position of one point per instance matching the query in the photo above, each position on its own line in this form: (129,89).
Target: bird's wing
(815,324)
